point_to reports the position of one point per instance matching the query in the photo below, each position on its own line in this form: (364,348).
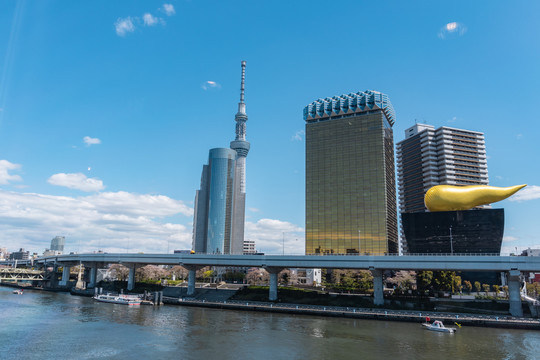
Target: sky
(108,108)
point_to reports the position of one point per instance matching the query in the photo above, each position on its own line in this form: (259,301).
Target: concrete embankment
(371,314)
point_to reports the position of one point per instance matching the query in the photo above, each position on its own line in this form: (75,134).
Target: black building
(459,232)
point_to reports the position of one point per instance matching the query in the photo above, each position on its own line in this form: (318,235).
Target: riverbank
(365,313)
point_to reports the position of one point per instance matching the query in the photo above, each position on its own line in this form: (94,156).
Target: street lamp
(358,241)
(451,243)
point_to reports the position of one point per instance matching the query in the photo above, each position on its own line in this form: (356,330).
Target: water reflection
(92,330)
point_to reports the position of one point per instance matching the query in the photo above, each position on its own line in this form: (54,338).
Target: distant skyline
(108,109)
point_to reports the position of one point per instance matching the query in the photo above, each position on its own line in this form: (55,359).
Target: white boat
(18,291)
(438,326)
(119,299)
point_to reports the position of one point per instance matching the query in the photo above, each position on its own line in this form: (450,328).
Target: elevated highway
(512,265)
(467,262)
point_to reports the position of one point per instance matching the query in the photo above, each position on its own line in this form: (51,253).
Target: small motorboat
(18,291)
(438,326)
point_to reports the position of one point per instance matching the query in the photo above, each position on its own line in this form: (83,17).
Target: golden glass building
(350,175)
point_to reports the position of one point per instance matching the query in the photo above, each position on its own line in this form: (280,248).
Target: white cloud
(169,9)
(210,85)
(91,141)
(519,136)
(452,29)
(298,136)
(150,20)
(5,176)
(124,26)
(510,238)
(113,222)
(252,209)
(531,192)
(453,119)
(77,181)
(269,234)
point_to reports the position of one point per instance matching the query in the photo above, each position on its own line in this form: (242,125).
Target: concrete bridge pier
(131,277)
(65,275)
(514,293)
(273,288)
(378,295)
(192,277)
(93,276)
(54,276)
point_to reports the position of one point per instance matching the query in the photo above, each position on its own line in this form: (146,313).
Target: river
(48,325)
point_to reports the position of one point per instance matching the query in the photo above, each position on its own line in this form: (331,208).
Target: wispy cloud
(77,181)
(169,9)
(150,20)
(510,238)
(453,119)
(519,136)
(252,209)
(5,176)
(129,24)
(531,192)
(452,29)
(298,136)
(208,85)
(91,141)
(124,26)
(114,222)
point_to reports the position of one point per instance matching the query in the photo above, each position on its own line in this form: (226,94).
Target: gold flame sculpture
(452,198)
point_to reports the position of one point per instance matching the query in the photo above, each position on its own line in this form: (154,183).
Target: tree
(402,281)
(477,286)
(485,287)
(533,289)
(496,288)
(199,274)
(257,276)
(284,276)
(468,286)
(119,272)
(150,273)
(424,281)
(444,280)
(505,290)
(456,283)
(234,276)
(208,274)
(355,280)
(179,272)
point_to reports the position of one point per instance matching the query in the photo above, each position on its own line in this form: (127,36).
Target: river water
(43,325)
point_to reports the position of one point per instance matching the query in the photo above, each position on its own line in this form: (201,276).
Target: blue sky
(108,109)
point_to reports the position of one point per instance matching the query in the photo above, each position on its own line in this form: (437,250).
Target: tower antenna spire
(241,104)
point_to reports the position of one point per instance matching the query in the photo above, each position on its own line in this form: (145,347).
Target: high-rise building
(19,255)
(249,247)
(429,157)
(58,243)
(218,224)
(350,175)
(443,156)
